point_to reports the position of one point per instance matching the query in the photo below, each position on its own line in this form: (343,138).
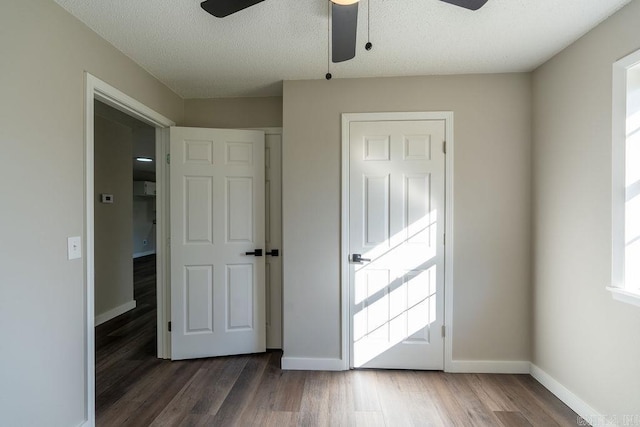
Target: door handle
(357,259)
(273,252)
(257,252)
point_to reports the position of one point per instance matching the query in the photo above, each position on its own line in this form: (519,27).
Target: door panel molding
(413,149)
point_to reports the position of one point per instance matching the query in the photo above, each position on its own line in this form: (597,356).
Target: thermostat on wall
(106,198)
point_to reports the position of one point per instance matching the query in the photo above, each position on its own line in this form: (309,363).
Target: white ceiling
(251,52)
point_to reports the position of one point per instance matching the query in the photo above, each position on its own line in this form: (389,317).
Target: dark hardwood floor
(134,388)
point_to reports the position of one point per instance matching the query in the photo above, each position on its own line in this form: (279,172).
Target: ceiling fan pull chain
(328,75)
(368,46)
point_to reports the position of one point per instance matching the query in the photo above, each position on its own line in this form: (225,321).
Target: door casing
(347,118)
(96,89)
(274,294)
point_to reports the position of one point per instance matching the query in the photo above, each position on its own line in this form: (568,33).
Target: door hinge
(444,238)
(168,159)
(169,326)
(443,331)
(444,147)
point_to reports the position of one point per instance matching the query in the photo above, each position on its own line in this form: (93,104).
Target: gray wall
(492,206)
(144,212)
(44,53)
(582,338)
(113,225)
(234,112)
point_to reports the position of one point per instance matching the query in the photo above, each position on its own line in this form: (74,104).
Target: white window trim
(623,295)
(618,288)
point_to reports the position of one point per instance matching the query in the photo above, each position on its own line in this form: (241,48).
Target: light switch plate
(74,247)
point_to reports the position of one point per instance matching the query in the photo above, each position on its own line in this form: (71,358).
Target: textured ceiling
(251,52)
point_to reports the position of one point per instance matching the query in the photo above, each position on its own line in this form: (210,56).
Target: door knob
(257,252)
(273,252)
(357,259)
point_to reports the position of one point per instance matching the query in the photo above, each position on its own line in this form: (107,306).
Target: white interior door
(396,225)
(273,200)
(217,219)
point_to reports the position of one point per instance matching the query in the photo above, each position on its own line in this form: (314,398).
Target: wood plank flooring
(134,388)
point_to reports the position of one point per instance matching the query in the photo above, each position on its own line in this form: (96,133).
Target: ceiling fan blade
(222,8)
(467,4)
(344,21)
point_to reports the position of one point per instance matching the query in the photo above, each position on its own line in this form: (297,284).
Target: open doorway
(124,207)
(125,247)
(96,89)
(101,91)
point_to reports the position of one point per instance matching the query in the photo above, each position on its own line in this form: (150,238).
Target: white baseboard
(578,405)
(114,312)
(311,364)
(489,366)
(141,254)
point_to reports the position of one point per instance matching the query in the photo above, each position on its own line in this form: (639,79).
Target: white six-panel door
(396,225)
(217,217)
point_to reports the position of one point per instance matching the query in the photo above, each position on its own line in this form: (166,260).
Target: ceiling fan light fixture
(344,2)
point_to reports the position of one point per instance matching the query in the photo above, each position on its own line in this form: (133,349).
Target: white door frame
(275,131)
(98,89)
(347,118)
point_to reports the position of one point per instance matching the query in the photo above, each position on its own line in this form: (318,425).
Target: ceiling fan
(344,20)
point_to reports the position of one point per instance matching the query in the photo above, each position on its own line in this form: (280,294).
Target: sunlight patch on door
(403,315)
(394,305)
